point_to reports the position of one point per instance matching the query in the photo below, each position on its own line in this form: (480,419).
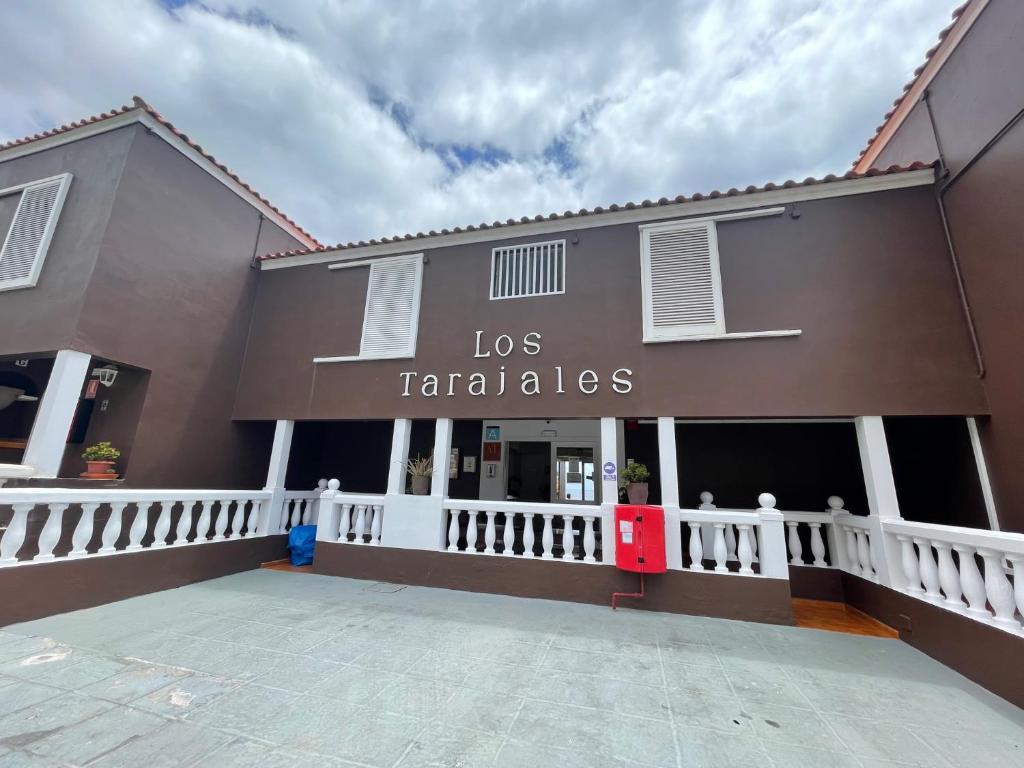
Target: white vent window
(534,269)
(28,238)
(682,286)
(391,319)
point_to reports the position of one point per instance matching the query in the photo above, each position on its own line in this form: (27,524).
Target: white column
(277,470)
(983,478)
(877,468)
(609,488)
(399,454)
(49,435)
(442,452)
(670,491)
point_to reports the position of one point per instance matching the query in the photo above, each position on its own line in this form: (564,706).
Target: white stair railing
(203,516)
(567,532)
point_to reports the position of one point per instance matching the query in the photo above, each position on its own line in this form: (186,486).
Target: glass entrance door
(573,478)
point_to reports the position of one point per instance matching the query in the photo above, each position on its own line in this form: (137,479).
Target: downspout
(940,191)
(256,245)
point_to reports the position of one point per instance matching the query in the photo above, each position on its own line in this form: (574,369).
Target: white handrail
(512,507)
(1008,543)
(104,495)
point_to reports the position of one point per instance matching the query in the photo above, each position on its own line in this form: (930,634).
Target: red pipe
(616,595)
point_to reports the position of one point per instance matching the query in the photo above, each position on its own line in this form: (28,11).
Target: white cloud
(352,117)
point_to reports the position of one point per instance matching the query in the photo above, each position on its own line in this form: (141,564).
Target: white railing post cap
(333,485)
(706,497)
(766,501)
(835,503)
(321,484)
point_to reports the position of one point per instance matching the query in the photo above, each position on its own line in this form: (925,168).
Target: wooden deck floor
(285,565)
(838,617)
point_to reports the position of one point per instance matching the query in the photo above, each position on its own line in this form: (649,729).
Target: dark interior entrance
(529,471)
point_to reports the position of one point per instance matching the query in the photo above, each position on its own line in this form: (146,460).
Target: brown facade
(865,277)
(149,269)
(976,100)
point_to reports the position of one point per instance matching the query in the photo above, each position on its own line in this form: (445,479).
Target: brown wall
(973,97)
(171,294)
(866,277)
(913,141)
(45,318)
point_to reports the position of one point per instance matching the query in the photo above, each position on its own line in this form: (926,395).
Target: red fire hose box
(639,543)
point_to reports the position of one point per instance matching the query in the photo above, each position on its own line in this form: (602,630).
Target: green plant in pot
(634,479)
(100,459)
(420,469)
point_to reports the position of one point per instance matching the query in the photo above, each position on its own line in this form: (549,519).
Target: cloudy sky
(365,118)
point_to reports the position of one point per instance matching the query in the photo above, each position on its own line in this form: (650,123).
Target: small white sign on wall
(491,469)
(469,463)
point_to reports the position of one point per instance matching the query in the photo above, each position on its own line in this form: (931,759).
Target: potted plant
(100,459)
(420,469)
(634,479)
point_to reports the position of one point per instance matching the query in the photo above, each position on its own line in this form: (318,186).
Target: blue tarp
(301,541)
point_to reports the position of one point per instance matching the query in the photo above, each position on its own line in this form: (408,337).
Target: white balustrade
(519,517)
(731,535)
(360,518)
(810,527)
(940,564)
(151,511)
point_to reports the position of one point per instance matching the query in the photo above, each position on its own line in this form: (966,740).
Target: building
(832,360)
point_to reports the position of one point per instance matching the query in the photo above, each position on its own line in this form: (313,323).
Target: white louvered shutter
(681,281)
(392,308)
(28,239)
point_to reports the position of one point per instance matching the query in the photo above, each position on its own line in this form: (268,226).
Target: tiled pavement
(268,669)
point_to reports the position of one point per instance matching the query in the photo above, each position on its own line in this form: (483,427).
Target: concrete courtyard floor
(275,669)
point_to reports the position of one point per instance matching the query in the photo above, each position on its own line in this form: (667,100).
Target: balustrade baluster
(908,559)
(14,536)
(489,533)
(359,528)
(163,524)
(547,540)
(743,548)
(696,547)
(307,510)
(221,523)
(238,520)
(253,521)
(817,545)
(949,578)
(568,538)
(140,524)
(998,589)
(83,531)
(589,540)
(718,547)
(471,531)
(203,523)
(796,551)
(508,535)
(851,550)
(112,530)
(371,515)
(378,523)
(184,525)
(864,554)
(730,541)
(346,523)
(1017,563)
(929,572)
(970,580)
(453,530)
(50,535)
(528,535)
(296,513)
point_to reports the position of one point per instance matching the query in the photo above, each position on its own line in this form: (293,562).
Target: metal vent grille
(534,269)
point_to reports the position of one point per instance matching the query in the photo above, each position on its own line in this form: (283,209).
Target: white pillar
(277,470)
(49,436)
(772,549)
(399,455)
(983,477)
(442,453)
(874,461)
(670,490)
(609,486)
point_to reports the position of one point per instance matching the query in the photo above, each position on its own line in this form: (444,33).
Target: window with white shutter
(391,319)
(682,286)
(28,238)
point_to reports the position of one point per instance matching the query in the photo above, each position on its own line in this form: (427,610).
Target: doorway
(529,471)
(573,479)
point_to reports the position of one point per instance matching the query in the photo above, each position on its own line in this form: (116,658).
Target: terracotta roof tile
(733,192)
(140,103)
(917,74)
